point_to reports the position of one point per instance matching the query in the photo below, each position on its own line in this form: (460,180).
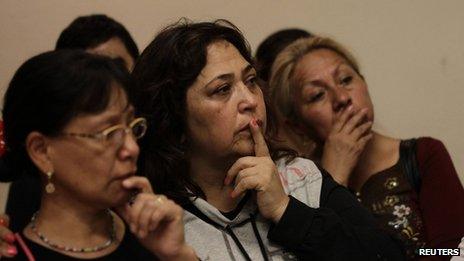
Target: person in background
(197,86)
(97,34)
(410,186)
(271,46)
(102,35)
(78,134)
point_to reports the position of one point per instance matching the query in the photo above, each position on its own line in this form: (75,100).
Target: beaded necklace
(75,249)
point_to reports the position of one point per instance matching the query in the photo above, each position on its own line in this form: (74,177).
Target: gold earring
(50,187)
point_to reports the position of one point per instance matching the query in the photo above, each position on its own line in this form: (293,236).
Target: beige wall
(411,52)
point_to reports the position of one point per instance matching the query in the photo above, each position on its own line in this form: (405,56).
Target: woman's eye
(346,80)
(115,136)
(251,81)
(223,89)
(316,97)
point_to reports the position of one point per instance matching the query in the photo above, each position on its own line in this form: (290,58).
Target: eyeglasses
(115,135)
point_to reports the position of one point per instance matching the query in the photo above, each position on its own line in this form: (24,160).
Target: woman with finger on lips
(69,120)
(411,186)
(196,85)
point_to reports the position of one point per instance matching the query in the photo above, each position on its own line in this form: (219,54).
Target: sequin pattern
(393,203)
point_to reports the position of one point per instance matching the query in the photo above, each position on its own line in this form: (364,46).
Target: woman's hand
(7,248)
(157,222)
(260,174)
(345,143)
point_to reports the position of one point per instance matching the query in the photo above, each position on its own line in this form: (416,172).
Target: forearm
(340,229)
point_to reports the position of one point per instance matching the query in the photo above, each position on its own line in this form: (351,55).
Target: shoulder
(298,169)
(431,149)
(433,158)
(429,144)
(302,179)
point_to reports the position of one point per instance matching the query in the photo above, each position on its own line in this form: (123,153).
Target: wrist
(279,212)
(340,176)
(341,181)
(185,253)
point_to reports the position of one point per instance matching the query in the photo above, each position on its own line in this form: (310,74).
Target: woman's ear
(37,147)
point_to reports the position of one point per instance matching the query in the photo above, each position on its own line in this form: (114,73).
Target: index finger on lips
(261,149)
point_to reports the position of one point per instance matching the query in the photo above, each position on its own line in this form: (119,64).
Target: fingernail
(9,238)
(12,250)
(132,228)
(2,222)
(253,122)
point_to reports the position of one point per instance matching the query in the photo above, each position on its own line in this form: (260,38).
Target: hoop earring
(50,187)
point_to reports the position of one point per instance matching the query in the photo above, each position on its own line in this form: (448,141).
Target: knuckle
(178,210)
(144,196)
(150,204)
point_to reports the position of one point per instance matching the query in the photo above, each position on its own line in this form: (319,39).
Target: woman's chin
(121,197)
(244,148)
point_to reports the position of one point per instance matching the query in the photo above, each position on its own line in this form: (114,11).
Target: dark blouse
(431,218)
(129,249)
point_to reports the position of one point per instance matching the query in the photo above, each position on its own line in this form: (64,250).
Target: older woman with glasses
(69,119)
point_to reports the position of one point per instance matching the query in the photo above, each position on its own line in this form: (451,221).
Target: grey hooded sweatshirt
(212,234)
(323,221)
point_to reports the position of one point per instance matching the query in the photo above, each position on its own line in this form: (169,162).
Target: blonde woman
(325,112)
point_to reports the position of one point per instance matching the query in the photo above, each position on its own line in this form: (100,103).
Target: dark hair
(163,73)
(48,91)
(271,46)
(89,31)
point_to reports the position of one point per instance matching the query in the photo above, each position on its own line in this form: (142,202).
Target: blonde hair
(282,82)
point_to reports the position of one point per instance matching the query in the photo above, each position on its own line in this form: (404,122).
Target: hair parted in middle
(165,70)
(51,89)
(283,81)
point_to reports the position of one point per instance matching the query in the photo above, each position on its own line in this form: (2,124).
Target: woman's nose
(342,98)
(248,100)
(129,147)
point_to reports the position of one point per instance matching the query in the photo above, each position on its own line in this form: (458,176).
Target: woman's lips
(246,127)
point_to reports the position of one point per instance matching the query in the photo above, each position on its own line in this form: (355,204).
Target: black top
(340,229)
(129,249)
(23,201)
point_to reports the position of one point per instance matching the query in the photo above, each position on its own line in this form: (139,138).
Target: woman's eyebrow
(247,69)
(225,77)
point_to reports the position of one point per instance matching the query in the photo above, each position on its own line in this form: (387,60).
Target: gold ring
(159,199)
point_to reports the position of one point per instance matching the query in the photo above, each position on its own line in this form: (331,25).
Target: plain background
(411,52)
